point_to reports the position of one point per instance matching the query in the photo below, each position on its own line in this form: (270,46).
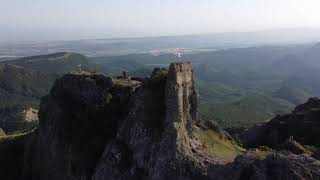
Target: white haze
(34,20)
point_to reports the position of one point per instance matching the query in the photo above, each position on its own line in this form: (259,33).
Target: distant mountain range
(163,44)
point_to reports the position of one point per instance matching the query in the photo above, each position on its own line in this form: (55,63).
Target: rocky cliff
(303,124)
(78,118)
(157,138)
(96,127)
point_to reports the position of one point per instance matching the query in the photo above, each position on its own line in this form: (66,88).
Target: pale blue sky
(76,19)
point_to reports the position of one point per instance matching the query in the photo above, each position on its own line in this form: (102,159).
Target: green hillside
(238,87)
(24,81)
(293,95)
(57,63)
(244,111)
(20,93)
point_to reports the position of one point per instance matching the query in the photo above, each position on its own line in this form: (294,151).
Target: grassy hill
(218,146)
(57,63)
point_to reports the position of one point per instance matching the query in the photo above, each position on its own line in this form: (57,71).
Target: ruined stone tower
(93,127)
(181,96)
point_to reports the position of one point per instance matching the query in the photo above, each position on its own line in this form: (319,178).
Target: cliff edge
(94,127)
(158,139)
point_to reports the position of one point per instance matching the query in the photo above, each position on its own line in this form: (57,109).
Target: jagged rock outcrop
(275,166)
(303,124)
(77,119)
(95,127)
(158,137)
(293,146)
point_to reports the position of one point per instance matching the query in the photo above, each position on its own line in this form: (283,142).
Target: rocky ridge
(96,127)
(168,152)
(301,125)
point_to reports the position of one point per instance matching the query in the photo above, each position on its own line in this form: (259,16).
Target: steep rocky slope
(80,115)
(141,130)
(159,140)
(303,125)
(274,166)
(95,127)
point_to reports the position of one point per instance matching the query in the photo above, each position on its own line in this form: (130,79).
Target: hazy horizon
(44,20)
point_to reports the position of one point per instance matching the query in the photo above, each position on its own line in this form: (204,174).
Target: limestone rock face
(95,128)
(158,131)
(181,96)
(77,119)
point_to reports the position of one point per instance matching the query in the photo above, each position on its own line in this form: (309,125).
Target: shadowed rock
(164,151)
(95,127)
(77,119)
(293,146)
(303,124)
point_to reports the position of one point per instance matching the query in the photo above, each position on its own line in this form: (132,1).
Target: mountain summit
(97,127)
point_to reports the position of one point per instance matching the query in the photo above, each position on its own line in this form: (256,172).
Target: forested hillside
(24,81)
(239,87)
